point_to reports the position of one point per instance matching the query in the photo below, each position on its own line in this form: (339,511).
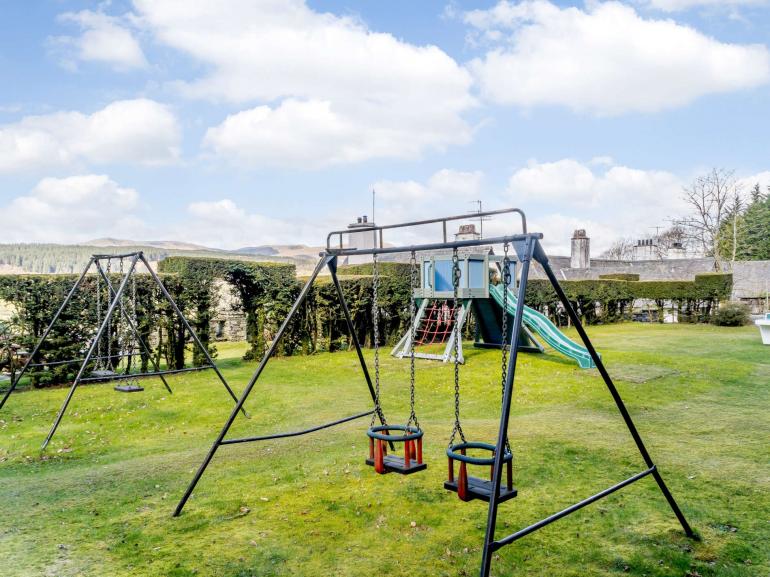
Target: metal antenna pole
(46,332)
(193,334)
(90,352)
(134,329)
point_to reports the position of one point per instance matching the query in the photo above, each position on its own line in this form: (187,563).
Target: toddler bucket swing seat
(410,434)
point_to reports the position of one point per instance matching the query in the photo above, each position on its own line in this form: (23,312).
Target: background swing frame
(528,248)
(115,296)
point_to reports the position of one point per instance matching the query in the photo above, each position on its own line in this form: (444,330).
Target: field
(98,502)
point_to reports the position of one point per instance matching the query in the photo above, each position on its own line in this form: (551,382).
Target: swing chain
(134,322)
(458,429)
(412,336)
(98,321)
(376,327)
(506,278)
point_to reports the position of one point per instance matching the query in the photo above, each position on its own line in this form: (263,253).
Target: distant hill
(168,244)
(68,259)
(261,250)
(300,251)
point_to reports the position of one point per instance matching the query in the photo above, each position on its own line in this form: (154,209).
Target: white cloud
(444,193)
(747,183)
(224,224)
(609,201)
(126,131)
(72,209)
(323,89)
(680,5)
(570,182)
(605,59)
(104,38)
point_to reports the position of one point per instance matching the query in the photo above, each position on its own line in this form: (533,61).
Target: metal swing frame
(527,247)
(114,300)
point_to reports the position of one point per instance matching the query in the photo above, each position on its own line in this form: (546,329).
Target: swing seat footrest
(482,489)
(395,464)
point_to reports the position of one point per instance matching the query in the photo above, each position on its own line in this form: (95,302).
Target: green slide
(540,324)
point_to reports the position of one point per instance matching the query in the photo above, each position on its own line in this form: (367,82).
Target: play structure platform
(436,316)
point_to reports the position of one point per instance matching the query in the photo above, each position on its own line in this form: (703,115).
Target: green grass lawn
(98,502)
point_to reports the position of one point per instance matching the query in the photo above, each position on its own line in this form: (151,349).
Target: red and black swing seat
(409,463)
(469,488)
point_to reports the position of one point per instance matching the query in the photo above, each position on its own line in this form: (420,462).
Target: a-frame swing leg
(332,264)
(534,249)
(91,348)
(616,396)
(45,334)
(190,330)
(325,261)
(525,257)
(134,329)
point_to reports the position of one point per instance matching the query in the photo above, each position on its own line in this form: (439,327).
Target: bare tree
(621,249)
(668,239)
(710,197)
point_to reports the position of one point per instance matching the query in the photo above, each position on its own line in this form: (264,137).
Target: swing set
(383,436)
(109,355)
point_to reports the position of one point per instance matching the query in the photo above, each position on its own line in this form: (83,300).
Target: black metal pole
(40,341)
(543,260)
(134,329)
(90,352)
(348,319)
(245,394)
(193,334)
(489,537)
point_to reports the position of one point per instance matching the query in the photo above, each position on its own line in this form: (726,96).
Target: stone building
(751,279)
(228,322)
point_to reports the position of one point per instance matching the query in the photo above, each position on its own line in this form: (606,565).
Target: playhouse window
(442,277)
(476,273)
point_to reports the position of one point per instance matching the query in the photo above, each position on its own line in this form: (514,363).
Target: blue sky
(271,122)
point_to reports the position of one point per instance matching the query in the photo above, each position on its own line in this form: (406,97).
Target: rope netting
(437,323)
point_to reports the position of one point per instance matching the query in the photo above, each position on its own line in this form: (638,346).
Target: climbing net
(437,324)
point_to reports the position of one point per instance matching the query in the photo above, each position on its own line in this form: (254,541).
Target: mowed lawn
(98,502)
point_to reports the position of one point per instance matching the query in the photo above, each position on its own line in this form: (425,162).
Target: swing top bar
(377,232)
(111,256)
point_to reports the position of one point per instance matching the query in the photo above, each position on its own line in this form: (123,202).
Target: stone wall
(228,323)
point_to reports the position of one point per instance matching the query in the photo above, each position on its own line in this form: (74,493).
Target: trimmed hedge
(608,300)
(266,291)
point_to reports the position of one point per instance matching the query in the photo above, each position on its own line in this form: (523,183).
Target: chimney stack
(581,250)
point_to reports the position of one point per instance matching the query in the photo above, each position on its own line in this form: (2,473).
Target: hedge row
(265,292)
(610,299)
